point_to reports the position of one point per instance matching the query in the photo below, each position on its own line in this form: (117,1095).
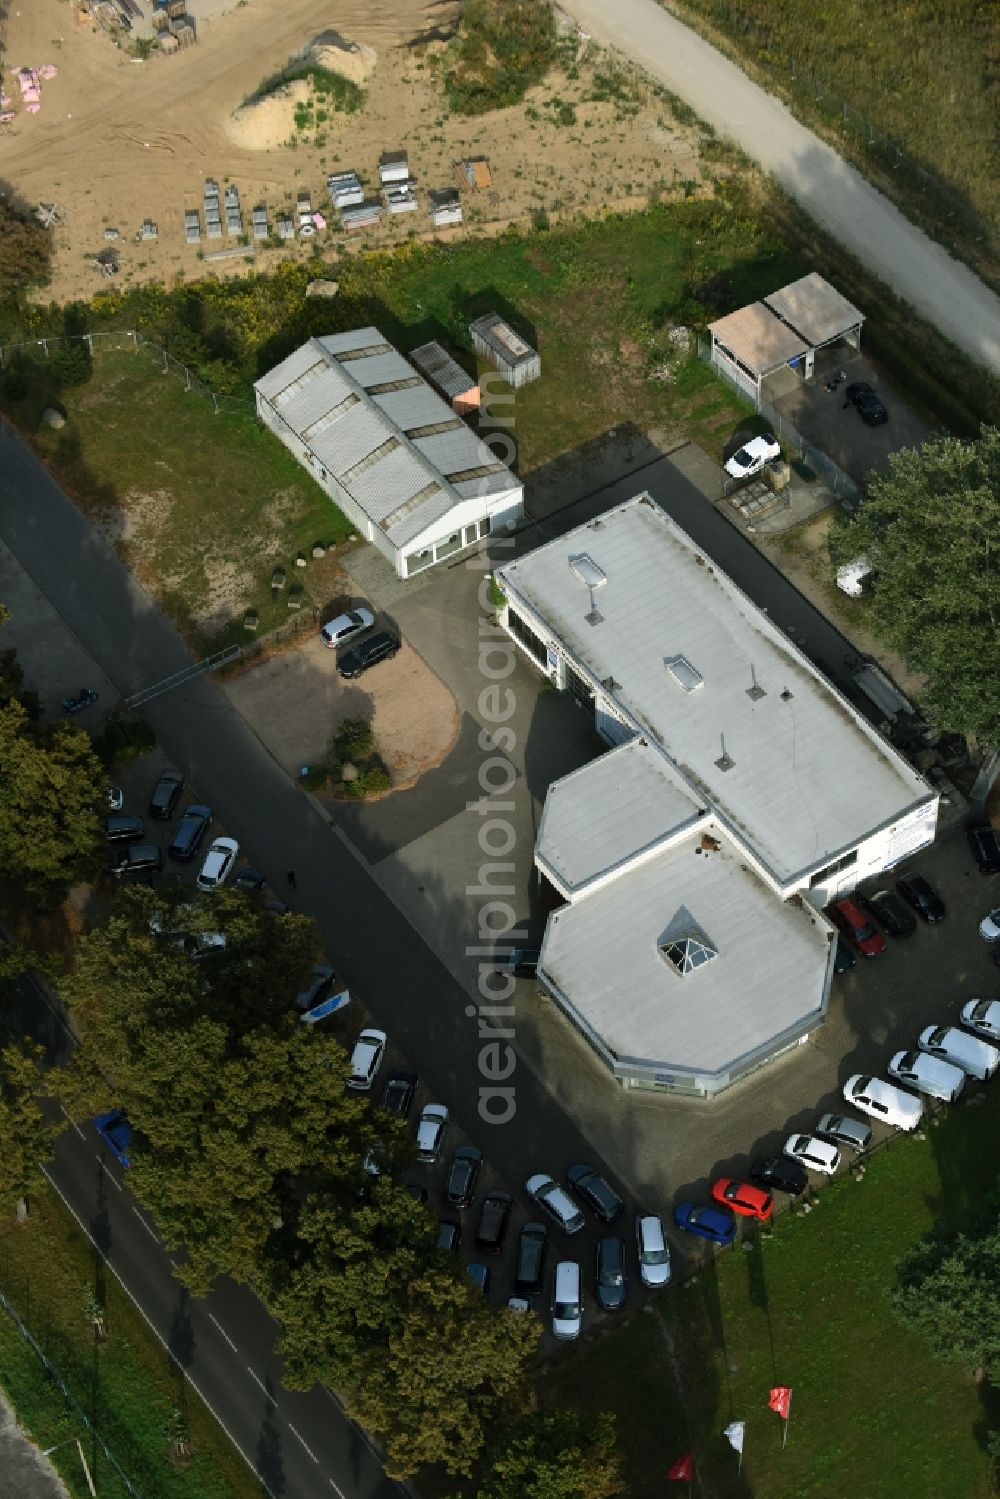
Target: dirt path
(942,290)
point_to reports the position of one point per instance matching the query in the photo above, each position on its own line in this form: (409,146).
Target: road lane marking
(106,1175)
(72,1121)
(259,1381)
(305,1444)
(254,1469)
(151,1231)
(223,1332)
(336,1489)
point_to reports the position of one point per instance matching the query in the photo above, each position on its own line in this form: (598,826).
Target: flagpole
(784,1430)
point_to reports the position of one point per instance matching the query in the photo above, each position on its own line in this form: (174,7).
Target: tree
(25,248)
(931,526)
(558,1455)
(93,1313)
(49,790)
(26,1135)
(949,1291)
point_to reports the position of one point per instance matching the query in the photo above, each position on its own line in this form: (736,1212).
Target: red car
(741,1198)
(859,929)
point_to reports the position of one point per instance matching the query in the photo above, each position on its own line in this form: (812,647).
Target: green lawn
(128,1386)
(872,1414)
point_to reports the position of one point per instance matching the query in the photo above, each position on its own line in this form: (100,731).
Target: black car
(866,403)
(136,861)
(522,962)
(463,1173)
(890,913)
(166,794)
(843,957)
(780,1174)
(418,1193)
(449,1235)
(595,1191)
(529,1272)
(122,827)
(611,1284)
(397,1095)
(381,646)
(984,841)
(922,897)
(493,1217)
(189,832)
(250,880)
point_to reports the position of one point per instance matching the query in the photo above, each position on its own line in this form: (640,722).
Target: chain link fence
(130,340)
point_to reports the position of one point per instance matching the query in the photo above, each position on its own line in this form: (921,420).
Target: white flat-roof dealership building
(413,478)
(747,793)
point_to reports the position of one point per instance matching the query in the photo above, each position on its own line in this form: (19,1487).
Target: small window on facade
(822,875)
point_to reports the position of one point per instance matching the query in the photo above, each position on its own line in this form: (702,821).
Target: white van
(567,1300)
(894,1106)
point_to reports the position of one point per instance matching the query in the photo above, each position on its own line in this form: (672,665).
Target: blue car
(480,1277)
(116,1132)
(706,1223)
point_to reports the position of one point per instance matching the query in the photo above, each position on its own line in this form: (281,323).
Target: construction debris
(474,174)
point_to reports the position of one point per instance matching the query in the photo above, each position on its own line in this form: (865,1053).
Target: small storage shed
(495,341)
(447,376)
(393,168)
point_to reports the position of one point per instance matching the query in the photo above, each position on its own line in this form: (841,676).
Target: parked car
(866,403)
(705,1223)
(166,794)
(522,962)
(529,1266)
(812,1153)
(82,700)
(741,1198)
(366,1059)
(989,927)
(480,1277)
(843,957)
(984,841)
(780,1174)
(752,456)
(556,1201)
(652,1250)
(843,1130)
(116,1132)
(189,833)
(927,1074)
(367,653)
(890,913)
(595,1191)
(922,896)
(124,827)
(462,1176)
(567,1300)
(946,1042)
(251,881)
(418,1193)
(882,1101)
(347,626)
(861,933)
(136,861)
(430,1131)
(397,1095)
(610,1280)
(115,797)
(518,1304)
(219,863)
(493,1218)
(983,1015)
(324,984)
(449,1235)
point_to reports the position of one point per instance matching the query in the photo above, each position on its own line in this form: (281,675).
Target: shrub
(354,741)
(502,49)
(124,739)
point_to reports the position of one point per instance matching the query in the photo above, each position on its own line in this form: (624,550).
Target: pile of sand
(269,122)
(353,60)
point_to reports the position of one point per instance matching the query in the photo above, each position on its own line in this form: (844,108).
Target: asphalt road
(837,197)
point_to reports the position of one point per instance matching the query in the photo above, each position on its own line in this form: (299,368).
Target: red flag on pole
(780,1400)
(681,1469)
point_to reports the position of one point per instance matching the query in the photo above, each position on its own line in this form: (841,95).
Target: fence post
(90,343)
(135,339)
(164,353)
(215,402)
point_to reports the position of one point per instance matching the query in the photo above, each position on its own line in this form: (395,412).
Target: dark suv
(381,646)
(493,1216)
(529,1271)
(984,841)
(166,794)
(123,827)
(189,832)
(136,860)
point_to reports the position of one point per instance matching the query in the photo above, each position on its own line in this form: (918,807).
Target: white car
(983,1015)
(567,1300)
(366,1059)
(430,1131)
(653,1251)
(989,927)
(346,626)
(927,1074)
(752,456)
(556,1201)
(882,1101)
(518,1304)
(219,864)
(851,577)
(815,1155)
(978,1058)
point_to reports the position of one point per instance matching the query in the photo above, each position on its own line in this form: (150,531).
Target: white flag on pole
(734,1434)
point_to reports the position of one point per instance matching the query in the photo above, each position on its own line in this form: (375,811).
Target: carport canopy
(757,339)
(816,310)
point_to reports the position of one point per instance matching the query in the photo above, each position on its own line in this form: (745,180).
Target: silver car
(983,1015)
(843,1130)
(653,1251)
(347,627)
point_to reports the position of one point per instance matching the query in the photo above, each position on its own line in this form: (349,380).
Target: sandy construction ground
(118,140)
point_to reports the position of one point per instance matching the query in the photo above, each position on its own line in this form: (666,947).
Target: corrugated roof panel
(288,370)
(389,482)
(353,338)
(314,400)
(359,433)
(414,407)
(379,369)
(452,451)
(499,483)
